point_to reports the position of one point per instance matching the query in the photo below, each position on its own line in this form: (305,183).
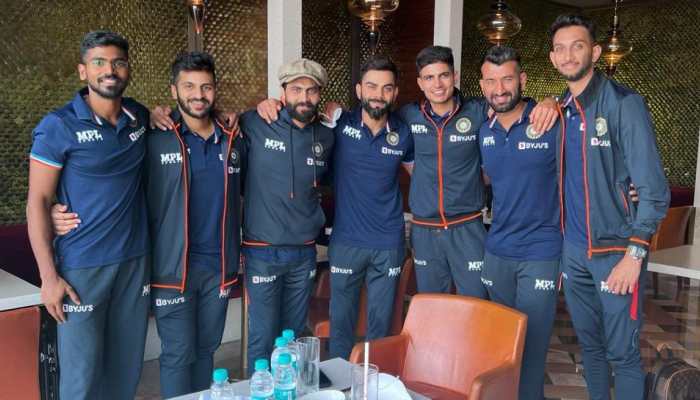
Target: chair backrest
(19,347)
(454,338)
(674,230)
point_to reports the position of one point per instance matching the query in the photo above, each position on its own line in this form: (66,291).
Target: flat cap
(303,68)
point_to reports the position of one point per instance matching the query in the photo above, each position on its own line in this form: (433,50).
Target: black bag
(672,378)
(48,357)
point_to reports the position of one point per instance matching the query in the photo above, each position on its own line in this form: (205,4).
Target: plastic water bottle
(262,384)
(285,378)
(280,348)
(220,389)
(293,348)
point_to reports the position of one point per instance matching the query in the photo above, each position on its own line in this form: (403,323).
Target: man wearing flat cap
(286,162)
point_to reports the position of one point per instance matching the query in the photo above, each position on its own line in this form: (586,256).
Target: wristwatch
(636,252)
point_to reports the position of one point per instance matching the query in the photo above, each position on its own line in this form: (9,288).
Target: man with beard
(286,162)
(95,280)
(607,141)
(447,190)
(193,193)
(523,246)
(367,243)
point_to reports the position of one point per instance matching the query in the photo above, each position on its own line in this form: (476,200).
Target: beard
(576,76)
(515,98)
(375,112)
(110,92)
(302,116)
(185,107)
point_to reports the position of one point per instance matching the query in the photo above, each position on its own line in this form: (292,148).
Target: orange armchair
(19,348)
(454,347)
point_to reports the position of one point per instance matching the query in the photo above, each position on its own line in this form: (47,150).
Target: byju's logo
(394,272)
(170,158)
(224,293)
(474,265)
(264,279)
(91,135)
(533,146)
(169,302)
(541,284)
(391,152)
(136,135)
(338,270)
(275,145)
(78,308)
(422,263)
(462,138)
(486,282)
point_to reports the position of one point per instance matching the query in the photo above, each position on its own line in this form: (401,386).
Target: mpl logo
(224,293)
(91,135)
(600,142)
(170,302)
(418,128)
(312,273)
(542,284)
(275,145)
(170,158)
(604,287)
(136,135)
(532,146)
(264,279)
(422,263)
(486,282)
(488,141)
(146,290)
(338,270)
(462,138)
(78,308)
(474,265)
(564,275)
(352,132)
(394,272)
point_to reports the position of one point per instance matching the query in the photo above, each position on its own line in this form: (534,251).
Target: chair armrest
(387,353)
(496,384)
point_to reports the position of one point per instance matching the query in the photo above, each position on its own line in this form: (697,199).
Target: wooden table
(678,261)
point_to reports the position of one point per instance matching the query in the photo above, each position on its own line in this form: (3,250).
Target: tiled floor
(666,320)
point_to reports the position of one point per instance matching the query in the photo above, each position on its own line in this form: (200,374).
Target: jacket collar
(176,116)
(590,93)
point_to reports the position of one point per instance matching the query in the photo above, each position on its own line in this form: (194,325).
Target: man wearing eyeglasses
(88,154)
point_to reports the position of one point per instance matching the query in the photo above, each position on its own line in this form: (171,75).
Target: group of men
(152,218)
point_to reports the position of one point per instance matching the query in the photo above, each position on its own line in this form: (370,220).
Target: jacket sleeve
(638,142)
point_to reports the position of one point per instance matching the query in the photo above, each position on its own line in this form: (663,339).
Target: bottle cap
(288,334)
(261,364)
(220,375)
(280,342)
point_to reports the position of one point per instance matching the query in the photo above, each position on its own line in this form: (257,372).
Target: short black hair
(192,61)
(500,55)
(379,63)
(101,39)
(566,20)
(435,54)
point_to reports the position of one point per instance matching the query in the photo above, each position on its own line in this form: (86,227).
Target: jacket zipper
(441,205)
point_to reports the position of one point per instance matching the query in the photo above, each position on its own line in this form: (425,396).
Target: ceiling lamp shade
(372,13)
(615,47)
(500,24)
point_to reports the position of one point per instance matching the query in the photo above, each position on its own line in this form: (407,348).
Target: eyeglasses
(116,64)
